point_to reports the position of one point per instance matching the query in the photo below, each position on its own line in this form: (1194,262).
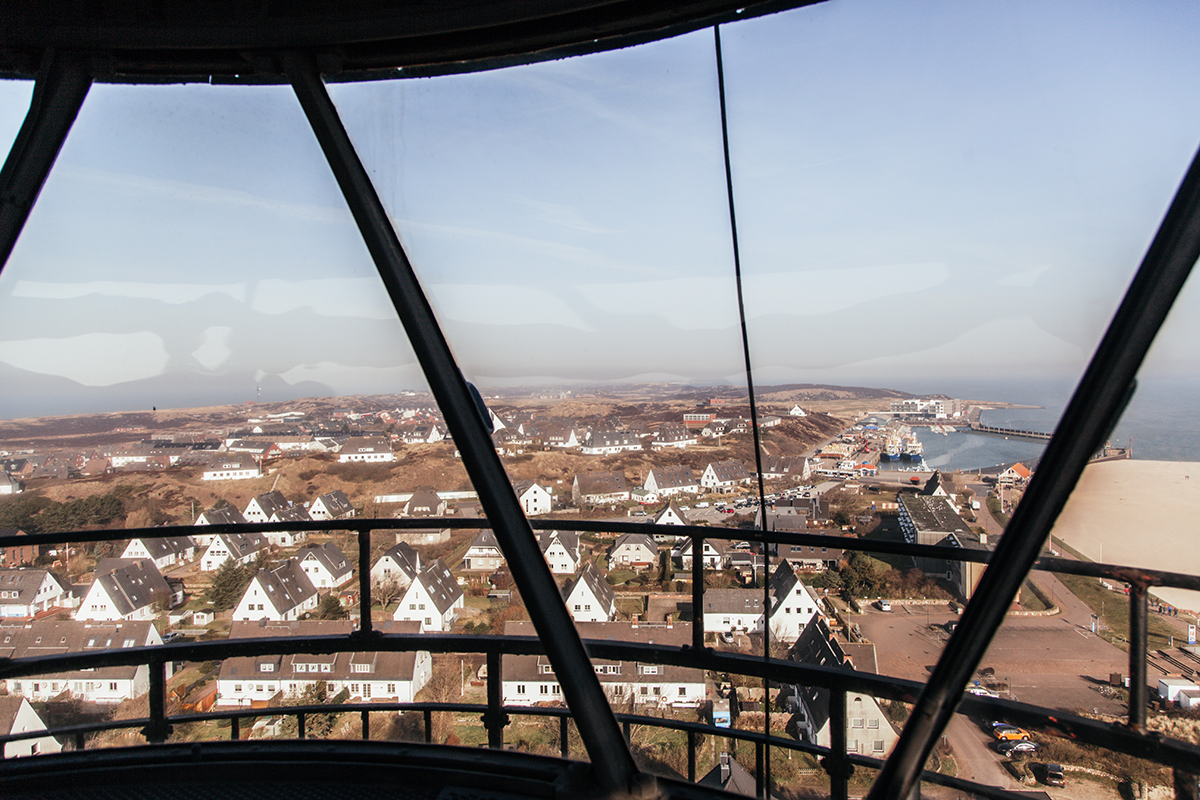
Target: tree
(385,590)
(228,585)
(331,608)
(666,569)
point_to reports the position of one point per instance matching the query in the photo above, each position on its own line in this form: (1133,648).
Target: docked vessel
(913,449)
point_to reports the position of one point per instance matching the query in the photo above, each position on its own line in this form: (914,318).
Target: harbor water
(1160,422)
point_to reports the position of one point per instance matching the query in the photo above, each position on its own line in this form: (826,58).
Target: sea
(1160,422)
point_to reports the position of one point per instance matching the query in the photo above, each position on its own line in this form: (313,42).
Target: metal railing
(1130,738)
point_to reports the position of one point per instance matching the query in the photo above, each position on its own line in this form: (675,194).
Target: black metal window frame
(1096,405)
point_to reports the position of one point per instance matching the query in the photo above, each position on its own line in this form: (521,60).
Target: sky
(924,191)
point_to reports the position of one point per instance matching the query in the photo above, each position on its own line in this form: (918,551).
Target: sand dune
(1139,513)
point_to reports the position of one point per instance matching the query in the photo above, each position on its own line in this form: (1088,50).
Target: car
(981,691)
(1019,746)
(884,605)
(1010,733)
(170,637)
(1054,775)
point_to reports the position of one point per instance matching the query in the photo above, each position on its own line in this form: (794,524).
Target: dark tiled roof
(286,586)
(131,583)
(440,585)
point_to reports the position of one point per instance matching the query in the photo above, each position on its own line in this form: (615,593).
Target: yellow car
(1010,733)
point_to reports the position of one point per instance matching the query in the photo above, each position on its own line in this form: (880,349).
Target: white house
(535,499)
(633,551)
(671,515)
(17,716)
(667,481)
(366,449)
(281,594)
(530,680)
(599,488)
(125,589)
(331,505)
(231,467)
(400,563)
(561,551)
(797,411)
(241,547)
(164,551)
(325,565)
(724,475)
(265,507)
(9,485)
(868,729)
(714,556)
(225,515)
(604,443)
(792,606)
(433,599)
(295,513)
(673,436)
(106,685)
(368,677)
(25,592)
(589,597)
(483,554)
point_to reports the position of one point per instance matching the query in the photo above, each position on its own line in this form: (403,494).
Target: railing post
(159,729)
(1139,609)
(697,592)
(495,719)
(564,742)
(691,736)
(759,769)
(625,730)
(364,581)
(300,725)
(80,742)
(366,725)
(1187,785)
(235,729)
(836,763)
(428,715)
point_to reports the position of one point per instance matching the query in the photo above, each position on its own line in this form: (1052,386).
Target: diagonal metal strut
(612,764)
(1094,410)
(61,86)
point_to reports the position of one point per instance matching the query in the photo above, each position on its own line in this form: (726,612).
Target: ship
(913,449)
(891,449)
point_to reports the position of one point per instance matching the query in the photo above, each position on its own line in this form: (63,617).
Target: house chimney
(724,768)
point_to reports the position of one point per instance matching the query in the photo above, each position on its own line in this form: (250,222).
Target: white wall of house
(24,721)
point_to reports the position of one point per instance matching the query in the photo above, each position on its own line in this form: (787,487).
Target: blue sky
(923,190)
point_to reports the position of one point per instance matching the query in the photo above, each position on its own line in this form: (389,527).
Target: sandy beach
(1139,513)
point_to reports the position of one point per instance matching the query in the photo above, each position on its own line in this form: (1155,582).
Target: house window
(354,688)
(649,669)
(852,746)
(520,688)
(877,745)
(658,690)
(645,690)
(391,688)
(366,690)
(237,687)
(112,686)
(556,689)
(856,722)
(682,691)
(545,689)
(872,723)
